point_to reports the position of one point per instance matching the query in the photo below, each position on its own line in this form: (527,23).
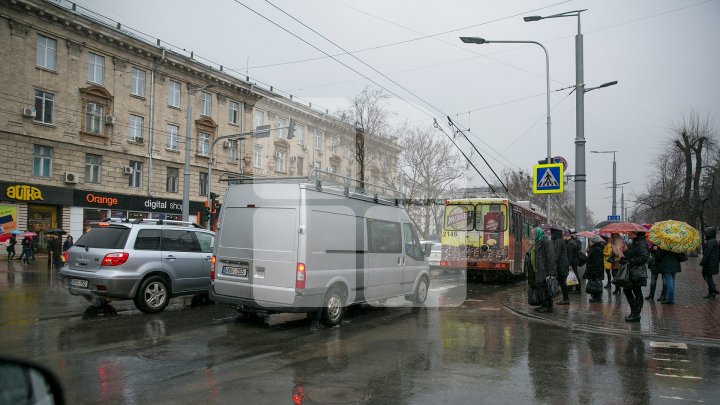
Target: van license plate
(78,283)
(235,271)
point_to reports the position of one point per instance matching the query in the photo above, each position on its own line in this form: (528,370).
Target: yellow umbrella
(675,236)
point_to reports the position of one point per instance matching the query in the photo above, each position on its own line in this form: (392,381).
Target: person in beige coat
(618,253)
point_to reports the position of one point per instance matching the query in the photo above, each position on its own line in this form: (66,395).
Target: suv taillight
(212,268)
(115,259)
(300,277)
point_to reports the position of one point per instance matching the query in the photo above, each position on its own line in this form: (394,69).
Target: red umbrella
(5,237)
(586,234)
(622,227)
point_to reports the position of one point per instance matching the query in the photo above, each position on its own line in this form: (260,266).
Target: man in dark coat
(572,246)
(562,263)
(636,255)
(544,260)
(594,266)
(710,261)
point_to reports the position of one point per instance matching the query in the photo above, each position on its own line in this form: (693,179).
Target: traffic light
(206,211)
(213,202)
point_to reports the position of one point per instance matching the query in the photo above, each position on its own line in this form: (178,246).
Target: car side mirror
(426,250)
(24,382)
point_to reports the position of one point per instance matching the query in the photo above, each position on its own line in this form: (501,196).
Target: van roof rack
(324,180)
(154,220)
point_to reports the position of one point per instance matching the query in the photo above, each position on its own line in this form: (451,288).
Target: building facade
(94,122)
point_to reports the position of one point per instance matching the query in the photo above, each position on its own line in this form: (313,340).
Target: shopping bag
(638,275)
(571,279)
(594,287)
(622,278)
(552,286)
(534,296)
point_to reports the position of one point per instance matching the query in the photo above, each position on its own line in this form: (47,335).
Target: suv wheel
(153,295)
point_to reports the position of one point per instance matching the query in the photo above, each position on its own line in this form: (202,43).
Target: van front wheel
(421,290)
(333,307)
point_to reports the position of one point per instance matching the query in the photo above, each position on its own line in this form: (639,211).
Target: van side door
(384,273)
(414,260)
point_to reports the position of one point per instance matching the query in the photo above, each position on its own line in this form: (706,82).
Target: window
(333,169)
(171,133)
(135,131)
(44,106)
(204,143)
(299,163)
(96,68)
(147,239)
(93,118)
(280,161)
(384,237)
(136,177)
(233,112)
(174,94)
(317,165)
(257,156)
(281,123)
(300,134)
(206,241)
(333,144)
(232,151)
(348,173)
(137,82)
(412,242)
(205,103)
(349,152)
(175,240)
(203,184)
(42,161)
(93,164)
(46,52)
(259,117)
(173,176)
(318,140)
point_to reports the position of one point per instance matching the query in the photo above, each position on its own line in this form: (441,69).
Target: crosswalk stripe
(689,377)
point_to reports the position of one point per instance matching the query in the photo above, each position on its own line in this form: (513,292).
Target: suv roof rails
(155,220)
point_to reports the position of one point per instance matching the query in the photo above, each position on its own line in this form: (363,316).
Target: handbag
(622,277)
(638,275)
(571,279)
(594,287)
(552,286)
(534,296)
(582,258)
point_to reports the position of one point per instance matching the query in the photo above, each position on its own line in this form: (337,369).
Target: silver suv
(148,261)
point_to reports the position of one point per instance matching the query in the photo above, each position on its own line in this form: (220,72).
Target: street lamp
(614,186)
(480,41)
(188,130)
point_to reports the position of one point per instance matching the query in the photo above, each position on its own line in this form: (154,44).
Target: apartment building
(93,123)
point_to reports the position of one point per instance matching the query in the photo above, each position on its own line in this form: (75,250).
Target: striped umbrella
(675,236)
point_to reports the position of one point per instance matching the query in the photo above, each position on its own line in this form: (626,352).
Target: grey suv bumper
(117,285)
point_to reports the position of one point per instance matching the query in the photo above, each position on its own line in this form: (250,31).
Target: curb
(610,331)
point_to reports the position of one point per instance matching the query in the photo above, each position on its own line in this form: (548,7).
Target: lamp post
(188,131)
(480,41)
(614,171)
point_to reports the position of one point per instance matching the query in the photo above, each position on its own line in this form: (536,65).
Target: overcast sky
(664,53)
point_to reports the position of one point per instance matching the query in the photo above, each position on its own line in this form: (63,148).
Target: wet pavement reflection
(471,349)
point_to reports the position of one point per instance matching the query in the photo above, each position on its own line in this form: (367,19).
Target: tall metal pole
(186,174)
(614,203)
(580,180)
(622,203)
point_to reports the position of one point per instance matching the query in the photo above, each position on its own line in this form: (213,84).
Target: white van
(290,245)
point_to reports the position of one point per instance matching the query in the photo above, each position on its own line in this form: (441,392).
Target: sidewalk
(691,318)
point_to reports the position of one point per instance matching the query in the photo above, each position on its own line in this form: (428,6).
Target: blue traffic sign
(548,178)
(613,217)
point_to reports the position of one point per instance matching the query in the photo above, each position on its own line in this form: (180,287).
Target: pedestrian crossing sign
(548,178)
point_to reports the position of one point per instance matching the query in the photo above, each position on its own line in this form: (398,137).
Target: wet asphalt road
(463,347)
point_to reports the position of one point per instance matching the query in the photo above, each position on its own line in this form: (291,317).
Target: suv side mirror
(24,382)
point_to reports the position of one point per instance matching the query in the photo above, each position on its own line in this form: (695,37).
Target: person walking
(67,244)
(667,263)
(573,247)
(607,262)
(26,250)
(561,263)
(652,266)
(594,266)
(618,251)
(636,255)
(11,248)
(544,263)
(710,261)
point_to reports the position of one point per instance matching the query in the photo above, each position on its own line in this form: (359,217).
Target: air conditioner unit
(320,152)
(71,178)
(227,144)
(293,159)
(304,147)
(28,112)
(128,170)
(139,139)
(109,119)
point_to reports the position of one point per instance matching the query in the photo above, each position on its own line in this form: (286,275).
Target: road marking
(488,309)
(680,360)
(472,300)
(682,399)
(668,345)
(689,377)
(673,369)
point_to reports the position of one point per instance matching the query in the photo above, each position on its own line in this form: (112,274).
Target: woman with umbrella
(636,255)
(673,239)
(618,252)
(594,267)
(11,248)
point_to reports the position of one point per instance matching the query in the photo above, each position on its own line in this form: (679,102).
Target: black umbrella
(603,224)
(55,231)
